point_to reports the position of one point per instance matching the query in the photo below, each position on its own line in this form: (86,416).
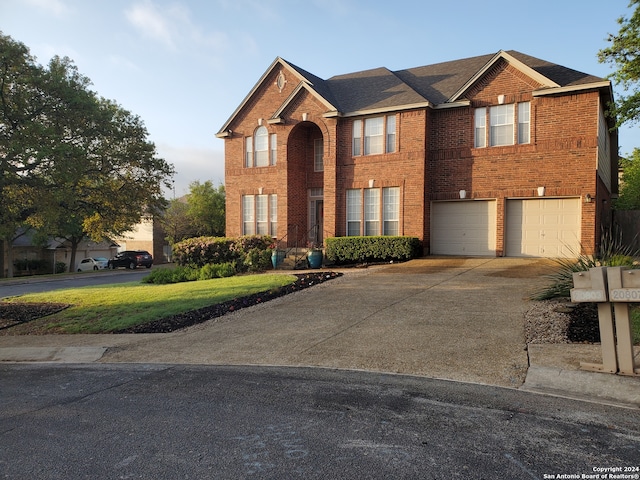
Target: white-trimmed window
(273,214)
(501,125)
(390,210)
(261,146)
(372,211)
(318,155)
(504,127)
(354,211)
(480,127)
(374,136)
(248,215)
(262,215)
(261,149)
(391,134)
(248,152)
(259,214)
(357,137)
(524,122)
(273,140)
(366,204)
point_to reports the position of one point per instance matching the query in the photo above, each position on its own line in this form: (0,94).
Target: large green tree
(73,164)
(629,198)
(624,54)
(207,208)
(175,221)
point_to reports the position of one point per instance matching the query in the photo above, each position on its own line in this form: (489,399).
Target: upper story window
(261,149)
(318,155)
(505,126)
(374,135)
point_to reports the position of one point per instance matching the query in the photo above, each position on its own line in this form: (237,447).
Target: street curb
(595,387)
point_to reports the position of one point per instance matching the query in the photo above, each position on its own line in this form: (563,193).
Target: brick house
(501,155)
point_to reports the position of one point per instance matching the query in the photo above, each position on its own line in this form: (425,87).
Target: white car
(95,263)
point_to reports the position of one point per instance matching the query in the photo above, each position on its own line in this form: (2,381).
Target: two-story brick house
(501,154)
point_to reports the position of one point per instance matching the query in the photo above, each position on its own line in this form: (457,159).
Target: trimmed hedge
(250,252)
(371,249)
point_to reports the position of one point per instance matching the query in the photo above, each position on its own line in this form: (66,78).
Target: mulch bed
(12,314)
(583,326)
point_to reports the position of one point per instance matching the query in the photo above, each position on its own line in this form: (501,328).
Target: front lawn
(110,308)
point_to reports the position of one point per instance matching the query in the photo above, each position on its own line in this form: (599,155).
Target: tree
(72,164)
(175,222)
(23,104)
(629,198)
(206,208)
(624,53)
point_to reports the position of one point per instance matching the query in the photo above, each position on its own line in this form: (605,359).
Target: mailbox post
(624,288)
(591,286)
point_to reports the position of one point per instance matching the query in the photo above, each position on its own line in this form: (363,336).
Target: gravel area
(560,321)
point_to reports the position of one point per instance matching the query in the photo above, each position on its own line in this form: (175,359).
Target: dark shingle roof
(382,88)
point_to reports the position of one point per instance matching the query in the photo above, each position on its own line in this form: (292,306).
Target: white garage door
(463,228)
(547,227)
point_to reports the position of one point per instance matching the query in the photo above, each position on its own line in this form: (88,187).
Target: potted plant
(277,256)
(314,255)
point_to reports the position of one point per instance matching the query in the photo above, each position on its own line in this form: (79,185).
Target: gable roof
(438,85)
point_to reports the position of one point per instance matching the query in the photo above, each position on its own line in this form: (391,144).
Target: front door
(316,216)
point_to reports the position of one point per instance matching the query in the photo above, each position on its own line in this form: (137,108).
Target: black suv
(131,259)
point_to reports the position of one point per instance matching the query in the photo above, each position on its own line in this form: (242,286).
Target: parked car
(93,263)
(131,259)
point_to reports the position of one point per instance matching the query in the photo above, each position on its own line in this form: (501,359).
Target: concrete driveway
(453,318)
(450,318)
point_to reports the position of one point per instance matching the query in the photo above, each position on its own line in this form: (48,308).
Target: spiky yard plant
(613,252)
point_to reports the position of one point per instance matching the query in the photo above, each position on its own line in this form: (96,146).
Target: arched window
(261,147)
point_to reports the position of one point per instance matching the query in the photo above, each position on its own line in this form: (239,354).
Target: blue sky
(184,66)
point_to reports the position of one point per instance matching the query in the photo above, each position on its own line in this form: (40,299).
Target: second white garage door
(547,227)
(463,228)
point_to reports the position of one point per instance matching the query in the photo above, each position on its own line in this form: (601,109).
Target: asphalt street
(159,422)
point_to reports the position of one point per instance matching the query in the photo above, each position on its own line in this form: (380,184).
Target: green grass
(635,324)
(110,308)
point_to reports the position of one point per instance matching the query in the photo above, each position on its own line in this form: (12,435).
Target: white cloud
(150,21)
(55,7)
(173,27)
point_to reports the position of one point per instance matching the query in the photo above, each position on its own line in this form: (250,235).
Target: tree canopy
(629,198)
(72,164)
(624,53)
(207,208)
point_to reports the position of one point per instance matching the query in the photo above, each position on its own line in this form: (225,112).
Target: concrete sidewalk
(451,318)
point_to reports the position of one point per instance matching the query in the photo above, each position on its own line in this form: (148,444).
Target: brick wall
(434,160)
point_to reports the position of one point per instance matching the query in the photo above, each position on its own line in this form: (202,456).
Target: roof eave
(372,111)
(222,133)
(605,84)
(512,60)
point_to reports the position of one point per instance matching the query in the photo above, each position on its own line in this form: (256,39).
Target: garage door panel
(543,227)
(463,228)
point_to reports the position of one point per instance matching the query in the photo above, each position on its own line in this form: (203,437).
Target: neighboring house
(146,235)
(501,154)
(30,257)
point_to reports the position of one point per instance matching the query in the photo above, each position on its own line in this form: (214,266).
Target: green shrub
(613,252)
(257,260)
(201,251)
(216,270)
(371,249)
(163,276)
